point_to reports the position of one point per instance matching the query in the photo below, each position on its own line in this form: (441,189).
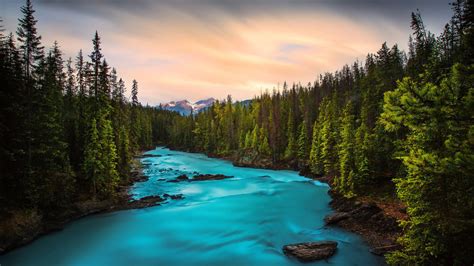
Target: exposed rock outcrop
(336,217)
(199,178)
(209,177)
(311,251)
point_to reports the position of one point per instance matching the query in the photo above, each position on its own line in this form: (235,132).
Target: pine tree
(71,116)
(109,177)
(135,118)
(32,54)
(291,148)
(248,140)
(345,180)
(303,142)
(329,138)
(52,181)
(315,160)
(13,129)
(30,41)
(93,166)
(255,138)
(263,146)
(439,160)
(363,145)
(135,93)
(96,58)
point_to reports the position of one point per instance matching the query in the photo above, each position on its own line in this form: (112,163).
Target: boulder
(311,251)
(177,197)
(209,177)
(174,197)
(198,178)
(182,178)
(145,202)
(336,217)
(149,155)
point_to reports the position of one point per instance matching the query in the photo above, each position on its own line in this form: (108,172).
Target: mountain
(185,107)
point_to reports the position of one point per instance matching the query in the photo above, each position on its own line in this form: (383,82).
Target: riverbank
(21,227)
(366,218)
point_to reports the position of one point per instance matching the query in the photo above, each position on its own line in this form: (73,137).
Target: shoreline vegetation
(22,227)
(393,135)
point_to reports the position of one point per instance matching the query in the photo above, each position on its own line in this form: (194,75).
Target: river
(244,220)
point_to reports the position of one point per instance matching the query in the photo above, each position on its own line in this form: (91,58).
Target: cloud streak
(183,49)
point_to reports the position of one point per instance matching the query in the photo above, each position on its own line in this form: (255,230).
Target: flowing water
(244,220)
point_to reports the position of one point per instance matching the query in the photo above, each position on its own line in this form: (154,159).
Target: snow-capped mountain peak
(185,107)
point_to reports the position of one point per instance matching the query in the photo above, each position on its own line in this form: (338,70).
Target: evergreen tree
(345,180)
(303,151)
(13,128)
(315,161)
(255,138)
(96,58)
(438,156)
(32,54)
(291,148)
(93,166)
(30,41)
(71,116)
(52,182)
(328,133)
(263,146)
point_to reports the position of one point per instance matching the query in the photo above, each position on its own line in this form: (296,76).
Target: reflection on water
(244,220)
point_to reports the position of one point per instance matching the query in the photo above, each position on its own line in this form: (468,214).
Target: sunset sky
(205,48)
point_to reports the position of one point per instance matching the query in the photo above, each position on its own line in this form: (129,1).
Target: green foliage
(329,131)
(439,159)
(254,137)
(65,133)
(315,160)
(291,148)
(100,164)
(303,151)
(345,180)
(263,146)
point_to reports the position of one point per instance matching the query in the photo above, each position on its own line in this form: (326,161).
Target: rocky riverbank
(376,220)
(367,219)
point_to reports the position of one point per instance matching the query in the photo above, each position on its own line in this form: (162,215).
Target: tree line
(402,119)
(68,130)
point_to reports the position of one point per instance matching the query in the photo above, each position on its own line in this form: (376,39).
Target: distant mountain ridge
(185,107)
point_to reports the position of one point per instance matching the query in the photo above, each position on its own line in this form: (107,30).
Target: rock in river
(336,217)
(209,177)
(198,178)
(311,251)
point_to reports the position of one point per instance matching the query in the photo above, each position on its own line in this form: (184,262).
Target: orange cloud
(176,55)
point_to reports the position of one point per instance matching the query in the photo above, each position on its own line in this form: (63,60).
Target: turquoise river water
(244,220)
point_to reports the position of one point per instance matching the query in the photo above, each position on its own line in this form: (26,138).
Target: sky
(196,49)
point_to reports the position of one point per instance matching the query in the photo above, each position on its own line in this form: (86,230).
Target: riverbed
(243,220)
